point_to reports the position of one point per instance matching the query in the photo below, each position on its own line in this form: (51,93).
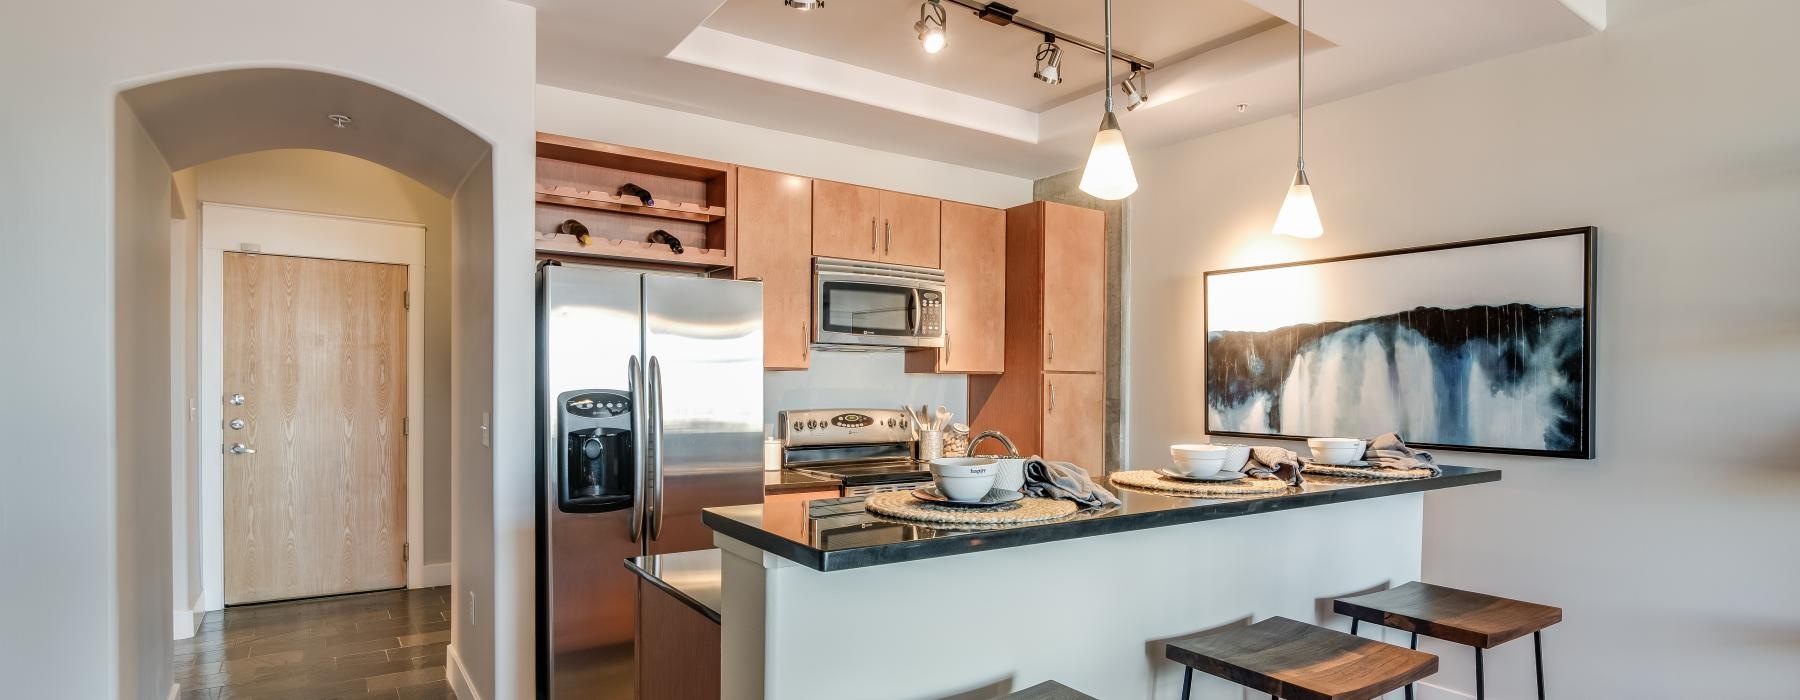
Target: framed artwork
(1484,346)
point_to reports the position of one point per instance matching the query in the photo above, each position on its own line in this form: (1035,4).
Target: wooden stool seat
(1474,619)
(1048,690)
(1298,661)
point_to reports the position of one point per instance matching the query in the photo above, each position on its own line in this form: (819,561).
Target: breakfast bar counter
(824,599)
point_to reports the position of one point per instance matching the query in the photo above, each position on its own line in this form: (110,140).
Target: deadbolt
(236,399)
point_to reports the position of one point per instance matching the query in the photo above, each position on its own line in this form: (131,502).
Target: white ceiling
(853,71)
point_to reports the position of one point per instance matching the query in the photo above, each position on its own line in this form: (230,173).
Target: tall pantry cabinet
(1050,399)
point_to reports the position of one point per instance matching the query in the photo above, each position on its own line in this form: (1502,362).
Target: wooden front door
(317,351)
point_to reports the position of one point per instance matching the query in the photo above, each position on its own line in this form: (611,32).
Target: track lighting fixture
(804,5)
(1299,215)
(1108,174)
(1136,88)
(1049,61)
(931,25)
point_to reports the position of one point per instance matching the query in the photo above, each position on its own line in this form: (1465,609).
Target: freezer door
(590,334)
(704,341)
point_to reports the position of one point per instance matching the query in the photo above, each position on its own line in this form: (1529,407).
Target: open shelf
(601,201)
(576,179)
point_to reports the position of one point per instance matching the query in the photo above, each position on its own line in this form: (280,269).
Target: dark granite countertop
(790,481)
(692,577)
(836,533)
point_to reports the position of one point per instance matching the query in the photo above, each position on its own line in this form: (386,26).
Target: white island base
(1092,612)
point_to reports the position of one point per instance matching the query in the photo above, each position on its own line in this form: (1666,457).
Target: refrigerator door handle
(634,378)
(656,434)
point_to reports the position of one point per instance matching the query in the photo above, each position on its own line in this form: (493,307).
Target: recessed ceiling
(853,71)
(988,60)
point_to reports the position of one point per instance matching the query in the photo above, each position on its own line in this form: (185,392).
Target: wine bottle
(661,236)
(632,190)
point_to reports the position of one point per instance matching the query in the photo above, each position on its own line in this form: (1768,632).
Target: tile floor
(388,645)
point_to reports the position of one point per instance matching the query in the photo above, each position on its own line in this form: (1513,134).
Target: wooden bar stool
(1476,619)
(1048,690)
(1297,661)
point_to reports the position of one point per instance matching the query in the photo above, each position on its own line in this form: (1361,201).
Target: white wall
(70,611)
(333,183)
(1673,132)
(184,369)
(834,380)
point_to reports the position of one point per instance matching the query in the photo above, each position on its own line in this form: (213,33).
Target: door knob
(236,400)
(238,448)
(236,424)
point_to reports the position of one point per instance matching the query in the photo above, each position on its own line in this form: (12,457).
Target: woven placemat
(1356,473)
(902,504)
(1149,479)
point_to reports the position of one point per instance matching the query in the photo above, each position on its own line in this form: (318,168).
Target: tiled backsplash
(840,379)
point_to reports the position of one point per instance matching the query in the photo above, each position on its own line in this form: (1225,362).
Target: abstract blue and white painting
(1482,345)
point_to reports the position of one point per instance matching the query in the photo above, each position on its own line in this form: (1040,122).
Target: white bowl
(1181,452)
(1336,450)
(964,478)
(1236,456)
(1200,466)
(1012,474)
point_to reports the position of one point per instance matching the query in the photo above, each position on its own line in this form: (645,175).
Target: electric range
(867,450)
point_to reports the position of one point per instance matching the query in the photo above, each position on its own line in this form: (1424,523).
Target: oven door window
(859,308)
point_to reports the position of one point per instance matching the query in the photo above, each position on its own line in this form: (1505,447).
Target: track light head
(1136,88)
(1049,62)
(804,5)
(931,25)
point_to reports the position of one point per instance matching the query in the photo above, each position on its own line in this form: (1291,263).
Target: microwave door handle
(634,373)
(918,311)
(656,433)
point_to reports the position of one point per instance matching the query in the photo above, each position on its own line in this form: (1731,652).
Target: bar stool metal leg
(1187,682)
(1415,646)
(1537,652)
(1353,622)
(1480,683)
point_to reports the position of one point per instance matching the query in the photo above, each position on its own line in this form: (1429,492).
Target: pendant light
(1299,215)
(933,21)
(1108,174)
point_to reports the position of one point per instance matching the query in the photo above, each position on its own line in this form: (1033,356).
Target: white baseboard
(174,691)
(459,678)
(1427,691)
(434,575)
(187,622)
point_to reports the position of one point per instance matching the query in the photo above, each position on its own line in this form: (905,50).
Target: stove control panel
(844,426)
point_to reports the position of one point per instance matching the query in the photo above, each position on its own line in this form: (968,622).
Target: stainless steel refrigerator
(650,405)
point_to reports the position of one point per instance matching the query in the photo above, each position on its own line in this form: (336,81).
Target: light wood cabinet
(1074,415)
(1051,401)
(973,260)
(1074,288)
(909,229)
(775,239)
(864,223)
(846,221)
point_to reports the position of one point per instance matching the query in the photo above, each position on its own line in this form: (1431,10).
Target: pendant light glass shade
(1108,174)
(1299,217)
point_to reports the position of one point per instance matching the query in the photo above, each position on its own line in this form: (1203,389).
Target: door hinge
(406,299)
(406,426)
(405,551)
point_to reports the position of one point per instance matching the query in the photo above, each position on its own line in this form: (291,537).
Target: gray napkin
(1066,481)
(1389,452)
(1269,461)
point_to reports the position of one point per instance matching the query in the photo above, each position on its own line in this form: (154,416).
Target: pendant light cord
(1300,92)
(1109,57)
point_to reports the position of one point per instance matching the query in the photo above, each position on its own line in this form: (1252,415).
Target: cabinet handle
(805,341)
(1052,397)
(871,234)
(1052,346)
(946,347)
(887,233)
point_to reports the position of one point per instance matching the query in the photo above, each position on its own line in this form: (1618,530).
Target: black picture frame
(1584,449)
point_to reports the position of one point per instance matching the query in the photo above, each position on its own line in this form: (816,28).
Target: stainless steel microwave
(866,303)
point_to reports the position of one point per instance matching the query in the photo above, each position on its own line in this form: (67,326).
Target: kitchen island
(830,601)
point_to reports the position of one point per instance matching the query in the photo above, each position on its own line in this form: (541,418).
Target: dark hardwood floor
(387,645)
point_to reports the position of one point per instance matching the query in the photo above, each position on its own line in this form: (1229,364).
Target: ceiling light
(1108,174)
(1136,87)
(1299,216)
(931,25)
(804,5)
(1049,61)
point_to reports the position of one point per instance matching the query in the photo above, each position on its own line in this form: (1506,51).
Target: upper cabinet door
(1074,288)
(774,214)
(909,229)
(846,221)
(974,262)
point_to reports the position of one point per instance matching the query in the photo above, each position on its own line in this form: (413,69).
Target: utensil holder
(931,444)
